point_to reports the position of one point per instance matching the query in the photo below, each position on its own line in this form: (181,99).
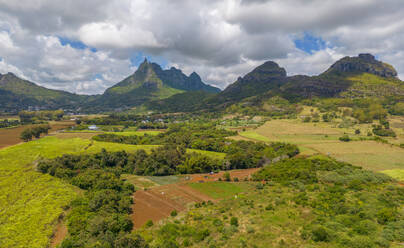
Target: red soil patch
(157,203)
(11,136)
(59,235)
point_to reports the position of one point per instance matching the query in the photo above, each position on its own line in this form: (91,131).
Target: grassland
(31,202)
(323,138)
(145,182)
(287,212)
(220,190)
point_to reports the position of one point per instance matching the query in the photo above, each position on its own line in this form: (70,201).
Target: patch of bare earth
(59,234)
(157,203)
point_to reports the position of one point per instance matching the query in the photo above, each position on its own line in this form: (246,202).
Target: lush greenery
(44,115)
(34,132)
(9,123)
(314,202)
(101,216)
(240,154)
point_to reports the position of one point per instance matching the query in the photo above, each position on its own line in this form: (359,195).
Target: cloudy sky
(87,46)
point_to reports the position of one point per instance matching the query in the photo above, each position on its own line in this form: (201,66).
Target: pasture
(31,202)
(220,190)
(11,136)
(323,138)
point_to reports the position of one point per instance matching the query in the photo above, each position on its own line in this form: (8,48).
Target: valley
(271,161)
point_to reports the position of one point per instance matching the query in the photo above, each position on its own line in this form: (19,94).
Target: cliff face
(364,63)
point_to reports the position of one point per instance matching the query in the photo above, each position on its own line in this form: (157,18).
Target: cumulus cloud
(220,40)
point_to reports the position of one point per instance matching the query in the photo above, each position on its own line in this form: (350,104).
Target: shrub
(260,186)
(174,213)
(234,221)
(386,215)
(226,177)
(149,223)
(384,132)
(319,233)
(345,138)
(357,131)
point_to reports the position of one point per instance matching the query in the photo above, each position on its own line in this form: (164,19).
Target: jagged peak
(194,75)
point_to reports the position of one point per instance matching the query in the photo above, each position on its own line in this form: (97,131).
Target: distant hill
(267,87)
(18,94)
(149,83)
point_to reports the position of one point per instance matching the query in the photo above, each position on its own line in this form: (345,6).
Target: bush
(320,234)
(149,223)
(226,177)
(345,138)
(234,221)
(384,132)
(357,131)
(174,213)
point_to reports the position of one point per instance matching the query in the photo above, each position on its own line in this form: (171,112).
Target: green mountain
(17,94)
(268,88)
(149,83)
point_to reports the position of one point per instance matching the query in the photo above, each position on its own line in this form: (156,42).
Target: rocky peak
(367,57)
(267,71)
(195,76)
(363,63)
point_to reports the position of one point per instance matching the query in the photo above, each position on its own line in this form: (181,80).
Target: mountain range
(172,91)
(149,82)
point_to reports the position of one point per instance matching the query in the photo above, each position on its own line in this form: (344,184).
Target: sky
(87,46)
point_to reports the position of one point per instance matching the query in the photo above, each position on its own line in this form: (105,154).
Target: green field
(220,190)
(289,211)
(31,202)
(142,182)
(323,138)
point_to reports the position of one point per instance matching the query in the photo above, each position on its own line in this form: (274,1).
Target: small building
(93,128)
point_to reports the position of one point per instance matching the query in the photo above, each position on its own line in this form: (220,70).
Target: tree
(226,176)
(36,132)
(26,135)
(345,138)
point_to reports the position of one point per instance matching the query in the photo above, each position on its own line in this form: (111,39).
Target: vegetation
(9,123)
(101,216)
(314,202)
(29,133)
(35,116)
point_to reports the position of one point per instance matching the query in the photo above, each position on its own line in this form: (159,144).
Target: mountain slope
(149,83)
(266,87)
(18,94)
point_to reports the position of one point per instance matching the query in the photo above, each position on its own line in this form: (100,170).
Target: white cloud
(220,40)
(114,36)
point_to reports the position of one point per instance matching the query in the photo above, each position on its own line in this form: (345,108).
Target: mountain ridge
(149,82)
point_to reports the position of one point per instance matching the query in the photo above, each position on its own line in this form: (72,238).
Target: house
(93,128)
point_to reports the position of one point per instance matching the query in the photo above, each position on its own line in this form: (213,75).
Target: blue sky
(310,43)
(75,44)
(201,36)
